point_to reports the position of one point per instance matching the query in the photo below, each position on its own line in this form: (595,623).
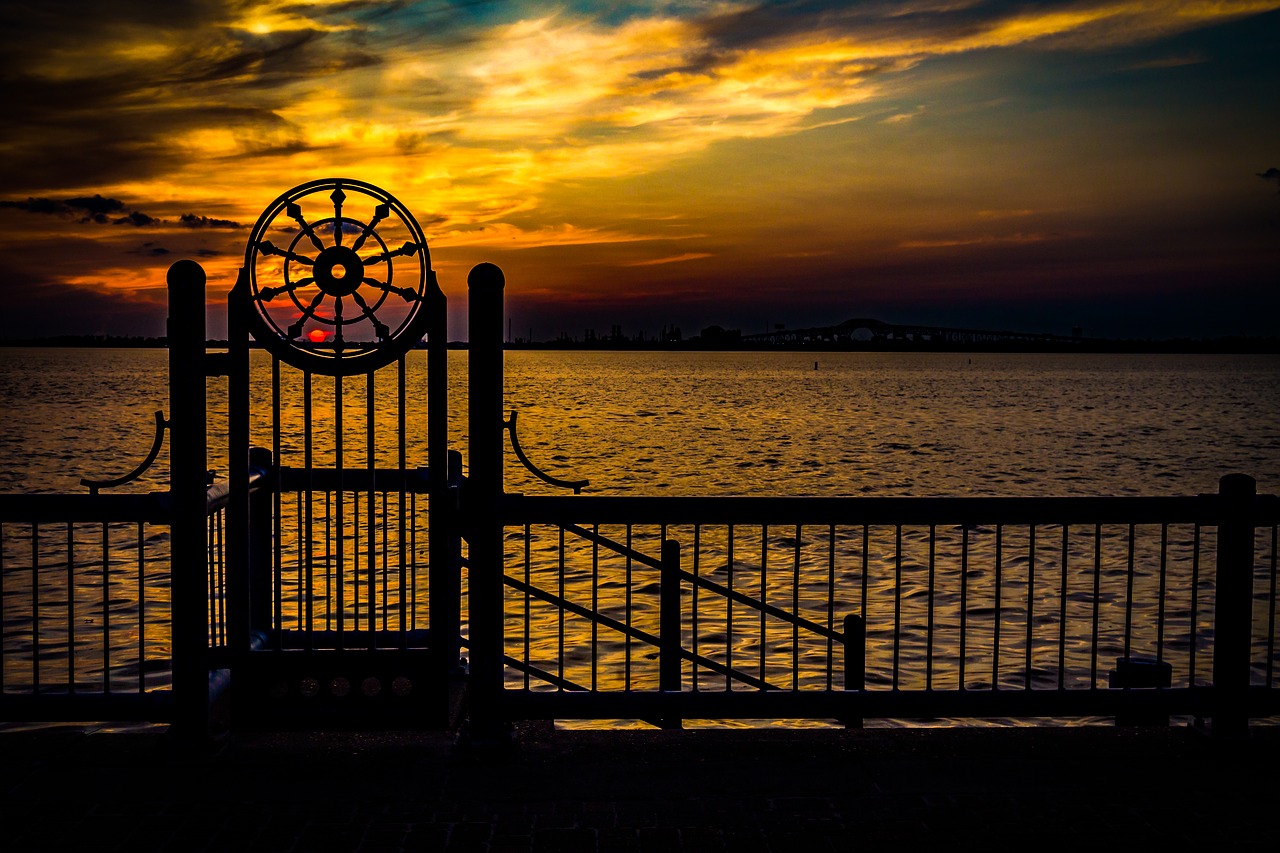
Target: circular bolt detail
(371,686)
(340,687)
(309,687)
(401,686)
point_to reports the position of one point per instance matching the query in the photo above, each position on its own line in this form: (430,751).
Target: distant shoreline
(1220,346)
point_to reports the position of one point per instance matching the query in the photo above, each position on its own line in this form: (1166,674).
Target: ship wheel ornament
(339,277)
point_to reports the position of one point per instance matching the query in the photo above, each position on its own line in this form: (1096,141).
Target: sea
(764,423)
(740,423)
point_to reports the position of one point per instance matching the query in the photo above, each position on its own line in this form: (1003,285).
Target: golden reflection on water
(702,423)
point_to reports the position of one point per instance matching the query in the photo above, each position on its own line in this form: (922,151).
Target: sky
(1107,164)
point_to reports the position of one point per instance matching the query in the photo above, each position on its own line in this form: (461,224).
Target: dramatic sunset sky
(1108,163)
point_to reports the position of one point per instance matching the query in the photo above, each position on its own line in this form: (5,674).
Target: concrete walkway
(765,790)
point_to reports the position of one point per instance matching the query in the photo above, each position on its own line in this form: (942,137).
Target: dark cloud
(137,218)
(95,210)
(191,220)
(1272,174)
(97,205)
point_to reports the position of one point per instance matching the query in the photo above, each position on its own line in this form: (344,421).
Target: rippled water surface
(743,423)
(645,423)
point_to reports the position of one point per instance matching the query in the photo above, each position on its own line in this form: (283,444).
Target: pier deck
(766,790)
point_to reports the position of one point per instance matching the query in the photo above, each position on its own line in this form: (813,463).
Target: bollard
(855,660)
(1141,673)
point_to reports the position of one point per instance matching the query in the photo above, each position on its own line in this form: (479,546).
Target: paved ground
(878,789)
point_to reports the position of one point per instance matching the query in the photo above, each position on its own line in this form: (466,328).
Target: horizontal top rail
(565,509)
(354,480)
(151,508)
(148,508)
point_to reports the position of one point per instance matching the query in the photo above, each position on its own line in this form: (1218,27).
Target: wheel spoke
(406,249)
(338,197)
(266,247)
(266,294)
(379,213)
(408,294)
(294,210)
(295,330)
(379,328)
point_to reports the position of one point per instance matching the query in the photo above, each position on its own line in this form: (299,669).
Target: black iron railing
(119,606)
(919,607)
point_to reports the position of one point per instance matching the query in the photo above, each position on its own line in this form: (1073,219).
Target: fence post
(1233,607)
(261,595)
(855,660)
(189,558)
(236,516)
(483,504)
(671,645)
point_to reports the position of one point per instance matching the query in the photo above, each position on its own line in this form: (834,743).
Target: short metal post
(261,594)
(855,660)
(483,500)
(187,489)
(1233,608)
(671,646)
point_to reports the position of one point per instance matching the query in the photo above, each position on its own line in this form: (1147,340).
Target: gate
(346,612)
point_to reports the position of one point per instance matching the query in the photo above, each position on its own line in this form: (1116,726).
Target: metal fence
(714,607)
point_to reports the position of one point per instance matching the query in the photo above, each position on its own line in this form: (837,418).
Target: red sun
(316,336)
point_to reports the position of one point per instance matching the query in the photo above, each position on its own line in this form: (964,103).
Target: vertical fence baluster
(1031,593)
(35,608)
(1160,607)
(1194,638)
(626,642)
(897,605)
(964,601)
(831,603)
(929,606)
(795,610)
(106,610)
(528,604)
(142,617)
(728,613)
(697,552)
(595,608)
(71,608)
(1128,593)
(1271,613)
(560,612)
(277,507)
(1062,611)
(309,547)
(764,596)
(1097,596)
(998,617)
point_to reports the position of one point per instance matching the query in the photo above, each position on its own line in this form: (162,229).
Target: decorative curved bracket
(510,426)
(94,485)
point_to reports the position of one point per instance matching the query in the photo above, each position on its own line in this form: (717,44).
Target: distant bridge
(867,329)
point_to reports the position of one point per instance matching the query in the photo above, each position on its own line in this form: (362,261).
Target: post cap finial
(486,275)
(186,273)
